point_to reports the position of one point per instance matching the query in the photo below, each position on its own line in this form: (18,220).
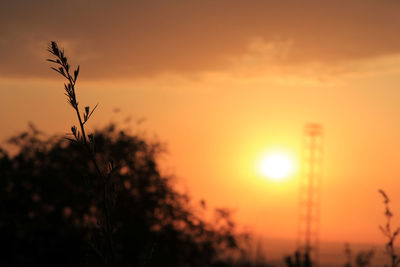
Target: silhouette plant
(389,233)
(298,260)
(48,212)
(86,141)
(347,251)
(362,259)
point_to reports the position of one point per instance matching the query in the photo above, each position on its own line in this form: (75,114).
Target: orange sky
(221,83)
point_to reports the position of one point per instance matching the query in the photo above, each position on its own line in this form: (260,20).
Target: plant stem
(105,178)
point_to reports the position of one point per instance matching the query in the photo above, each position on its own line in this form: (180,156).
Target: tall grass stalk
(389,233)
(87,142)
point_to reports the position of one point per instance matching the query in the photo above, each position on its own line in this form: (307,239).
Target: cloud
(127,39)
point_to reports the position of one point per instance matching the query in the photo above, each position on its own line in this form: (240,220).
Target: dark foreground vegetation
(50,207)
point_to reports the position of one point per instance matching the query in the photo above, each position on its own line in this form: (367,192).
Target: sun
(276,166)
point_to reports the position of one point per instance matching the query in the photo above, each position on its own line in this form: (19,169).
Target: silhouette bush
(363,258)
(49,206)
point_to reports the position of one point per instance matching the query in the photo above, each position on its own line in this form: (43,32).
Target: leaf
(54,48)
(55,69)
(386,198)
(76,73)
(67,89)
(93,110)
(73,130)
(70,139)
(59,70)
(63,59)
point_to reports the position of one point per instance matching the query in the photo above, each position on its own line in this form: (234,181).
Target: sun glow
(276,166)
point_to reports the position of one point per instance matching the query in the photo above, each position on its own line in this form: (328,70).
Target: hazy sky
(222,82)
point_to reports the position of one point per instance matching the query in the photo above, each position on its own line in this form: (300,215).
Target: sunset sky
(222,83)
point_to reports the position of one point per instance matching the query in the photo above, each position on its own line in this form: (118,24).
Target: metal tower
(310,193)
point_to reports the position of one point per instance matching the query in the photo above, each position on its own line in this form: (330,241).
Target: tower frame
(310,192)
